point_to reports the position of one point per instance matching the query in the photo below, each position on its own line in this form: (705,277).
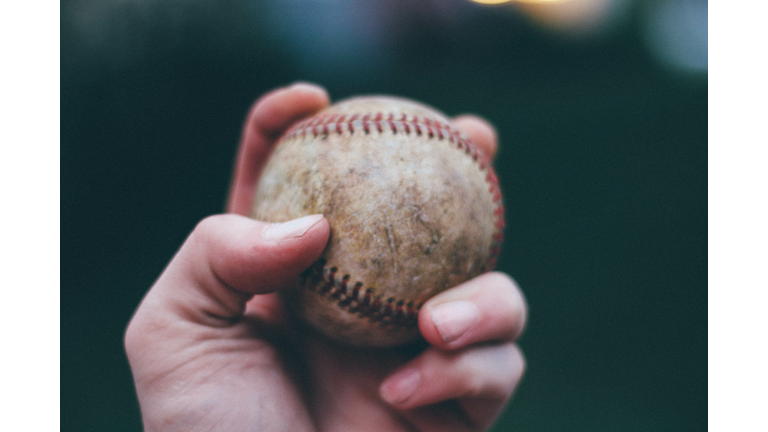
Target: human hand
(211,348)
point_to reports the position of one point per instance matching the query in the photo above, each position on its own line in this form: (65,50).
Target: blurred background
(601,110)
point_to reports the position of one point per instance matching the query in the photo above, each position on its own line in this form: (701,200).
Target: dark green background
(603,164)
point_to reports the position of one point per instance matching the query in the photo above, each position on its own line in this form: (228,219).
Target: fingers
(489,307)
(473,359)
(270,116)
(481,379)
(229,258)
(479,132)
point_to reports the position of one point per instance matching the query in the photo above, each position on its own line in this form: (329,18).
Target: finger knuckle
(511,368)
(481,377)
(510,302)
(518,359)
(207,226)
(133,337)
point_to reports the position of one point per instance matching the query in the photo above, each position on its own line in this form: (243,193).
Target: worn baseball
(414,209)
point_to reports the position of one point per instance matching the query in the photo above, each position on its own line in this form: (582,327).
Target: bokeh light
(492,2)
(498,2)
(577,17)
(676,32)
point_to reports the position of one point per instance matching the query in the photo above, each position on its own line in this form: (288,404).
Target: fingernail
(453,319)
(291,229)
(398,388)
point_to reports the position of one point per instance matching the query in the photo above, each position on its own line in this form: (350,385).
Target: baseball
(414,209)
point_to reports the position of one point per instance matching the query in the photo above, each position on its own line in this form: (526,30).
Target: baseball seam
(352,297)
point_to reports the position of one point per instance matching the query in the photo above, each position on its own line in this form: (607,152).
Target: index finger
(270,116)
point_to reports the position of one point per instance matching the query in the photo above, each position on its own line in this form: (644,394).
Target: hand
(211,348)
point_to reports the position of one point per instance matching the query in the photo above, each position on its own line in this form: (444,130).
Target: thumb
(229,258)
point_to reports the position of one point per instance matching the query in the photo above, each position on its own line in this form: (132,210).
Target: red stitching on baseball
(367,303)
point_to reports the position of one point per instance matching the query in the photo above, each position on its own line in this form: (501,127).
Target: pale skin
(211,348)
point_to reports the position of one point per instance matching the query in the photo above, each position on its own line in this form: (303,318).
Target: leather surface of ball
(414,209)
